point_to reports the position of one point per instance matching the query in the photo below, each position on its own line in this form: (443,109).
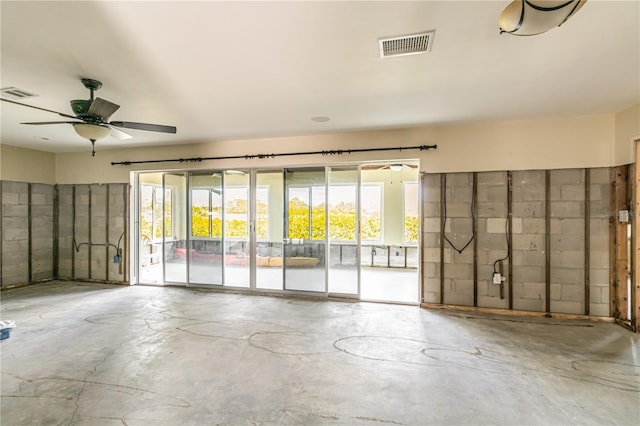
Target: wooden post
(618,244)
(443,194)
(635,247)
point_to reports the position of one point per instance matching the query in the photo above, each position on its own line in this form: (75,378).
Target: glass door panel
(343,231)
(389,233)
(175,226)
(305,225)
(150,212)
(236,229)
(205,245)
(269,229)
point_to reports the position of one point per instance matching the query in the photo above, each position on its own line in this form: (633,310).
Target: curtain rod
(283,154)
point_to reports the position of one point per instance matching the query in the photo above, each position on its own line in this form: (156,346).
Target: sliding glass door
(269,228)
(350,231)
(161,227)
(305,229)
(344,231)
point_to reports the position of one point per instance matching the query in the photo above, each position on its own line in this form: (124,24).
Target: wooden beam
(443,194)
(635,247)
(587,241)
(622,256)
(475,240)
(510,236)
(516,313)
(547,240)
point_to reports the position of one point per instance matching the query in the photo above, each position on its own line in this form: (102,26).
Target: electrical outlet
(497,279)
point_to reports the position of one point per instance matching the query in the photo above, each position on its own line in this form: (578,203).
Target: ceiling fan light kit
(92,117)
(532,17)
(91,131)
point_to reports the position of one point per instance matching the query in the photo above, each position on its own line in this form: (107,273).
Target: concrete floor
(90,354)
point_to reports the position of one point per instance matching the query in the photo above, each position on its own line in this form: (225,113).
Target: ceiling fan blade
(35,107)
(119,134)
(103,108)
(144,126)
(39,123)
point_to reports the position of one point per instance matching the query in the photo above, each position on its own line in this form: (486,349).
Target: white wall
(550,143)
(546,143)
(627,128)
(26,165)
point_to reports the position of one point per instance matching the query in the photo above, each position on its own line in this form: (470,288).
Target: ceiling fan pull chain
(93,147)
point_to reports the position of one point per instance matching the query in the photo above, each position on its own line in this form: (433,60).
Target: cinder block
(458,271)
(567,307)
(430,297)
(432,285)
(529,258)
(496,225)
(492,178)
(458,210)
(458,299)
(430,239)
(528,273)
(572,226)
(528,242)
(492,302)
(462,194)
(567,242)
(533,291)
(10,198)
(532,305)
(463,287)
(564,209)
(566,176)
(599,277)
(497,194)
(599,175)
(459,179)
(15,210)
(492,209)
(572,192)
(572,259)
(598,309)
(528,177)
(529,209)
(572,293)
(567,276)
(429,270)
(533,226)
(492,242)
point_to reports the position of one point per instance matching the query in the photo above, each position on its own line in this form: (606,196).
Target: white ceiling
(239,70)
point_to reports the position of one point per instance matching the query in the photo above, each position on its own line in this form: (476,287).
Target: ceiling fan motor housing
(80,106)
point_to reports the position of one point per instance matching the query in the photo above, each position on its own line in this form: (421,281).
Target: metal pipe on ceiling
(282,154)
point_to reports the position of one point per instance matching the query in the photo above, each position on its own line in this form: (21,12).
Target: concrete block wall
(599,242)
(431,237)
(92,223)
(529,259)
(458,263)
(492,237)
(568,279)
(42,231)
(567,233)
(77,226)
(27,233)
(15,233)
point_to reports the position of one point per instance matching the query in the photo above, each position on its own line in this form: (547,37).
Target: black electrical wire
(77,246)
(506,234)
(444,222)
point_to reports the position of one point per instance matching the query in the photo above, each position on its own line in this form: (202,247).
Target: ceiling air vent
(406,45)
(15,93)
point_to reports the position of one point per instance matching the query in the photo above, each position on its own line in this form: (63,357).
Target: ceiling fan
(91,119)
